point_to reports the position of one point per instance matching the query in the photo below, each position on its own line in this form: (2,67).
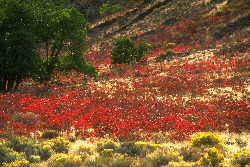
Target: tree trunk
(10,85)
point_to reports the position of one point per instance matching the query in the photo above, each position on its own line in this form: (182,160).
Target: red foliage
(124,112)
(182,48)
(214,18)
(155,103)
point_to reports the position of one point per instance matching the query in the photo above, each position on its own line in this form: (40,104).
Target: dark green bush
(209,139)
(34,158)
(106,144)
(109,9)
(16,143)
(129,148)
(76,62)
(49,134)
(27,146)
(161,157)
(59,30)
(8,154)
(126,51)
(32,150)
(45,152)
(59,145)
(212,158)
(18,163)
(191,153)
(123,51)
(141,50)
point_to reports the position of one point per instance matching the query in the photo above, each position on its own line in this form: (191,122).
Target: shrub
(106,144)
(121,163)
(126,51)
(141,49)
(123,51)
(64,160)
(166,46)
(110,159)
(16,143)
(146,147)
(167,55)
(80,147)
(45,152)
(9,155)
(77,62)
(5,135)
(212,158)
(49,134)
(109,9)
(162,157)
(107,152)
(17,163)
(34,158)
(209,139)
(241,159)
(26,145)
(129,148)
(191,153)
(30,148)
(59,145)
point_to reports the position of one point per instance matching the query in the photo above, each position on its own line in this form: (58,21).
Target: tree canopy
(35,35)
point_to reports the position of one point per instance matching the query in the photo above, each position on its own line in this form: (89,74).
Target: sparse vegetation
(241,159)
(110,153)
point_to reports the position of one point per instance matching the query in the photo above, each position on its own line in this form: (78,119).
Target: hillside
(203,86)
(207,35)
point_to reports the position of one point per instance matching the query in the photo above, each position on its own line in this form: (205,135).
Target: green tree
(59,29)
(17,52)
(34,37)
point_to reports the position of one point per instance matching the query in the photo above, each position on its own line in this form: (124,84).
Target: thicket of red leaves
(151,103)
(127,112)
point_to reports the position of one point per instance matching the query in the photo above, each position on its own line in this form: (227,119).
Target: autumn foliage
(149,103)
(206,91)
